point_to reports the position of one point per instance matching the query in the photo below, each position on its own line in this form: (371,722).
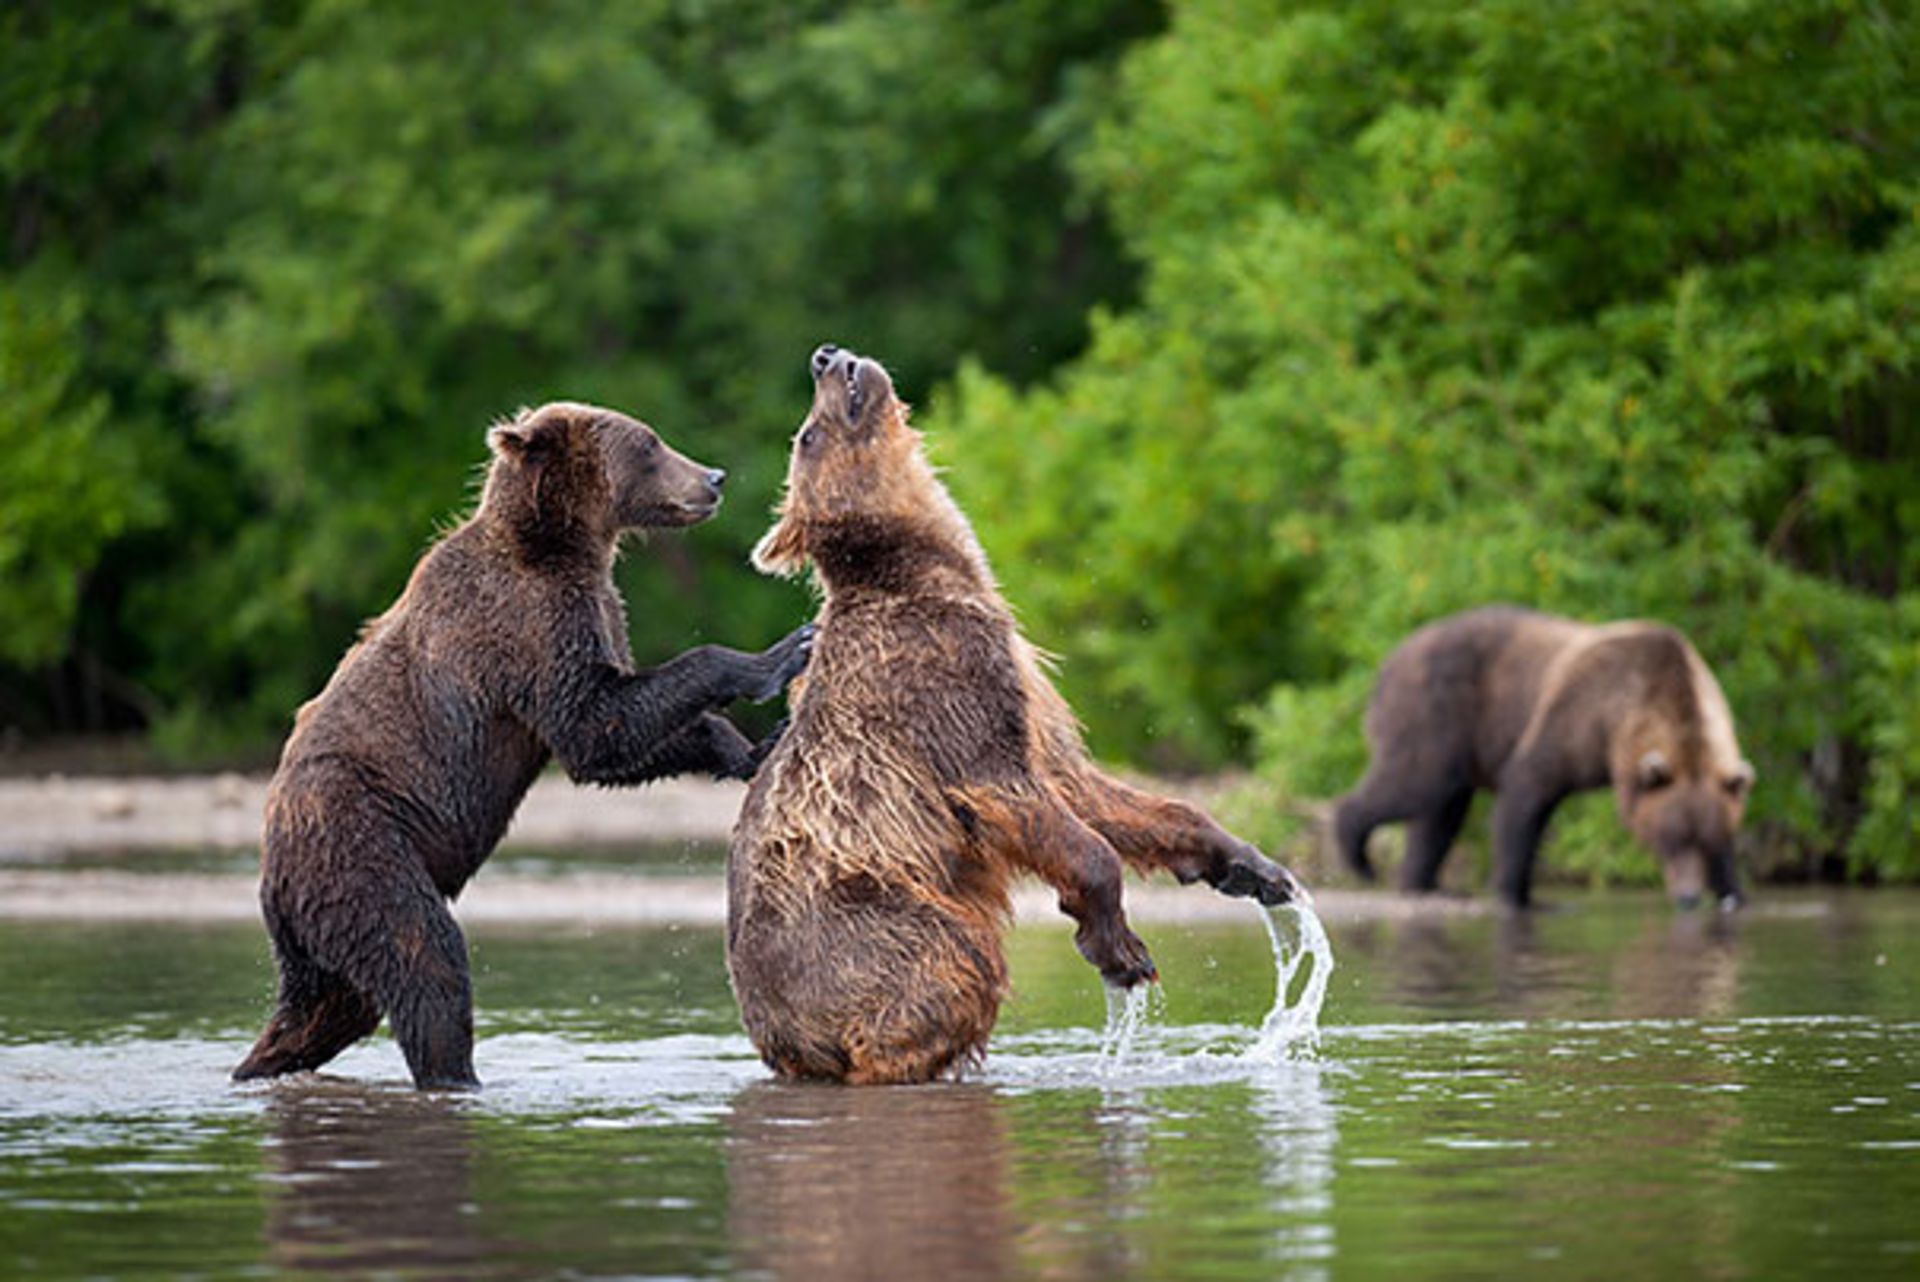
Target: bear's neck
(548,541)
(893,556)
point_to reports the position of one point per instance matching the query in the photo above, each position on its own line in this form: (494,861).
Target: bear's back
(1469,683)
(420,713)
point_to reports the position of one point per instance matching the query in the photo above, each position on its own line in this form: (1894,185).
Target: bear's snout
(829,361)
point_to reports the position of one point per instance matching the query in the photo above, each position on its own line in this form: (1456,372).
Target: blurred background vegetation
(1252,334)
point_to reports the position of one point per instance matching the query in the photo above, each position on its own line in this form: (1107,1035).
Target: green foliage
(70,486)
(1606,309)
(1889,836)
(301,254)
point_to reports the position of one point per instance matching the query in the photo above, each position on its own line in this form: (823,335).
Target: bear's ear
(527,441)
(511,439)
(782,550)
(531,435)
(1653,771)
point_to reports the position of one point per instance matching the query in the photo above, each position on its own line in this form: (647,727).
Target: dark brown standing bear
(929,760)
(508,646)
(1535,708)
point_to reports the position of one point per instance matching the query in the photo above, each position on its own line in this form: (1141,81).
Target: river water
(1605,1089)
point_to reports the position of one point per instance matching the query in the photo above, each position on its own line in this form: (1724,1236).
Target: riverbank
(502,896)
(49,823)
(47,817)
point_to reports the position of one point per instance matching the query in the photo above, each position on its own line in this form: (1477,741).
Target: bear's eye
(808,436)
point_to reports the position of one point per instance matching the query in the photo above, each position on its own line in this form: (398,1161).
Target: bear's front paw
(1123,960)
(764,749)
(781,662)
(1248,874)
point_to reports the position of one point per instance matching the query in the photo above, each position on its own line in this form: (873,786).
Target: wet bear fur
(928,762)
(1535,707)
(508,647)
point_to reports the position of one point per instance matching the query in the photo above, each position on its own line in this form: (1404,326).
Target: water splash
(1127,1011)
(1291,1029)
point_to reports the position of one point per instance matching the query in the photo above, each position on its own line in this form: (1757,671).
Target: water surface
(1601,1087)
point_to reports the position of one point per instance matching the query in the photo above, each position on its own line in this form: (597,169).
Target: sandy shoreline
(599,899)
(45,820)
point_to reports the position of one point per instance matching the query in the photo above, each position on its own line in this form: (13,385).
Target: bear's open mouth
(846,377)
(856,394)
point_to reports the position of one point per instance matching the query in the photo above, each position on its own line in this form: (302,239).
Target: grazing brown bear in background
(509,645)
(1537,707)
(928,761)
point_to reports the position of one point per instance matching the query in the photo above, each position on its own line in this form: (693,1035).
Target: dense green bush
(1604,308)
(270,271)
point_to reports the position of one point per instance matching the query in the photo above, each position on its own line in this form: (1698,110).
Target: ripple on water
(673,1079)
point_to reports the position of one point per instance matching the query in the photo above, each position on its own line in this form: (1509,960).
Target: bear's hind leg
(402,946)
(1429,837)
(423,982)
(318,1016)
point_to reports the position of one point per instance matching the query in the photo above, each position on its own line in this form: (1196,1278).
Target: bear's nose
(716,477)
(822,358)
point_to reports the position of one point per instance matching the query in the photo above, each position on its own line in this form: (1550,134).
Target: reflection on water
(893,1182)
(372,1181)
(1295,1116)
(1701,1096)
(1688,965)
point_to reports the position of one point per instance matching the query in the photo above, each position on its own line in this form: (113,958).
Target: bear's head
(862,504)
(567,474)
(1682,794)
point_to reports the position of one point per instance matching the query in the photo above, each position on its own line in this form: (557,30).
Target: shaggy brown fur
(928,762)
(1535,708)
(508,645)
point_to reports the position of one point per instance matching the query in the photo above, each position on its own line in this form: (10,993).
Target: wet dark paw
(1251,875)
(1127,963)
(1144,972)
(764,749)
(783,661)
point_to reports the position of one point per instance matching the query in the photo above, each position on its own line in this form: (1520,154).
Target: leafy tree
(103,113)
(316,247)
(85,486)
(1604,308)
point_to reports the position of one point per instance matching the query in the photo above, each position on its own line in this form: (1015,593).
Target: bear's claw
(1130,963)
(1129,973)
(1251,875)
(786,659)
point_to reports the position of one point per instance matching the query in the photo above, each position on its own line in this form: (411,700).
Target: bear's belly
(864,981)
